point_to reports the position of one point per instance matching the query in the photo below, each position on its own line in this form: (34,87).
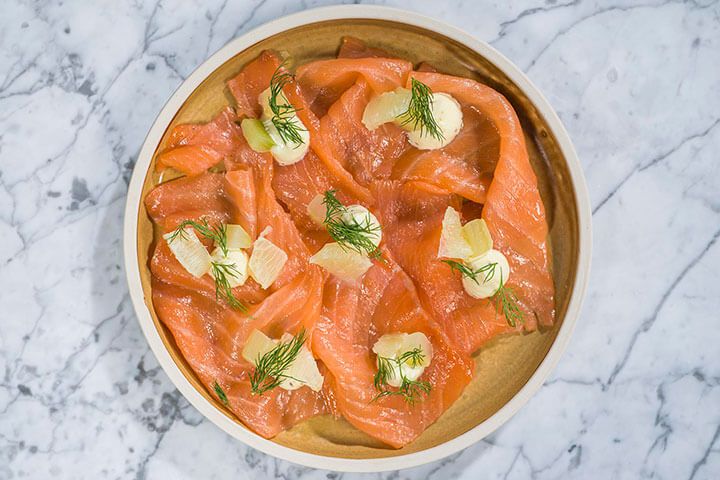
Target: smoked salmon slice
(193,148)
(251,81)
(211,335)
(411,215)
(465,166)
(211,338)
(323,81)
(353,317)
(351,47)
(366,155)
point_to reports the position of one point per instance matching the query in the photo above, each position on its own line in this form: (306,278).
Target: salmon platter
(344,238)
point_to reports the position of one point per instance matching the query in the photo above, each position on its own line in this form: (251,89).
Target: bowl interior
(503,366)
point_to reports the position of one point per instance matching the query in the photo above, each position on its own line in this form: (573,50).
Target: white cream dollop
(393,345)
(486,288)
(237,260)
(284,153)
(449,118)
(357,214)
(390,106)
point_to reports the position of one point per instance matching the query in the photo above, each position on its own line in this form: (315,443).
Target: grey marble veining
(637,394)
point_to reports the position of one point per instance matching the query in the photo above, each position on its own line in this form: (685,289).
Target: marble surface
(637,395)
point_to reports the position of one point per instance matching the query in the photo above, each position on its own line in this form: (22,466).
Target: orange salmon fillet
(192,149)
(353,317)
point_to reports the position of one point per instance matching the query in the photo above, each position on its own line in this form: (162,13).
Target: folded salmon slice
(188,198)
(367,155)
(465,166)
(354,316)
(211,339)
(251,81)
(411,214)
(513,209)
(210,335)
(193,148)
(323,81)
(351,47)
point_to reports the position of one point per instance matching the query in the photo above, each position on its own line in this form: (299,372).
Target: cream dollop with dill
(432,120)
(291,139)
(490,271)
(286,363)
(228,263)
(356,233)
(401,360)
(468,250)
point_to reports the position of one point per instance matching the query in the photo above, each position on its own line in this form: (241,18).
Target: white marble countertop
(637,395)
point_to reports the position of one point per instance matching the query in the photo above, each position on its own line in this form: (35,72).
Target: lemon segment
(452,240)
(189,251)
(316,210)
(266,262)
(345,264)
(303,370)
(256,135)
(386,108)
(257,345)
(477,235)
(237,237)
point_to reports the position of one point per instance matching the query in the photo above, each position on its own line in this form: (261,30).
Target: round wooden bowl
(510,369)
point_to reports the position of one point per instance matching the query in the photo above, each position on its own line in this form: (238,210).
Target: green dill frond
(486,271)
(270,368)
(221,393)
(219,271)
(419,114)
(223,290)
(352,235)
(410,390)
(216,233)
(505,299)
(412,357)
(283,112)
(506,302)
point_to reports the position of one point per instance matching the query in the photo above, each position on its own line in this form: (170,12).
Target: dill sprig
(270,368)
(216,233)
(507,302)
(221,393)
(283,112)
(419,114)
(505,299)
(351,235)
(219,271)
(223,290)
(464,270)
(410,390)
